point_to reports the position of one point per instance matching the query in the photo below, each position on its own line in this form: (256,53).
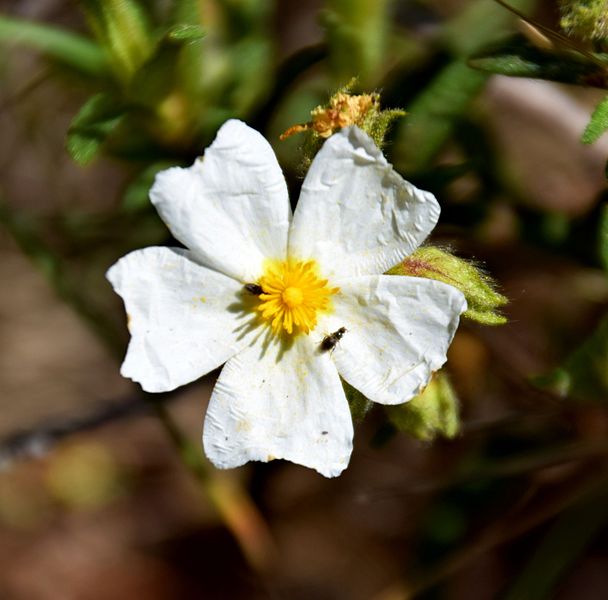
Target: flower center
(293,294)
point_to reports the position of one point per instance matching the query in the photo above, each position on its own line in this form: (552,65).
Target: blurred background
(104,492)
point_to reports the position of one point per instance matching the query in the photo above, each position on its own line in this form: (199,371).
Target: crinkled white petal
(356,215)
(184,319)
(231,207)
(398,333)
(269,403)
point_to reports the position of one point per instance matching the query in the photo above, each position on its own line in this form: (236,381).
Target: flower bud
(585,19)
(433,413)
(342,110)
(478,288)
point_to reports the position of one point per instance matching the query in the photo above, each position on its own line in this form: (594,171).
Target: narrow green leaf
(598,124)
(517,57)
(69,49)
(122,28)
(96,120)
(186,33)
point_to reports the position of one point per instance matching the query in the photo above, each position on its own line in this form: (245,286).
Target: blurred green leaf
(122,28)
(519,58)
(69,49)
(95,121)
(356,32)
(598,123)
(186,33)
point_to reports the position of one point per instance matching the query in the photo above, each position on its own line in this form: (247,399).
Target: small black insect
(254,289)
(329,341)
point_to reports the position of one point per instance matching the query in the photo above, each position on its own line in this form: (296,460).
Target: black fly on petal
(329,341)
(254,289)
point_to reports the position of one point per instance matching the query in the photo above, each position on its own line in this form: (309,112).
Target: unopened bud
(342,110)
(585,19)
(478,288)
(433,413)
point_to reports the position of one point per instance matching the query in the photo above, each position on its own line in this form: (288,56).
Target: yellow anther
(293,295)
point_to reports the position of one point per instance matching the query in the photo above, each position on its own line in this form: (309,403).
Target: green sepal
(433,413)
(375,121)
(478,288)
(598,123)
(90,128)
(378,122)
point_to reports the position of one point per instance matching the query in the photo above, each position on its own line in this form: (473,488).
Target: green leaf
(69,49)
(434,412)
(96,120)
(186,33)
(598,124)
(356,32)
(122,28)
(517,57)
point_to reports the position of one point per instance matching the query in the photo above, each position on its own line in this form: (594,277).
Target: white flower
(319,272)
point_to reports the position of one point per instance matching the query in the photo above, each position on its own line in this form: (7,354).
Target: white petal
(356,215)
(183,318)
(271,404)
(230,207)
(398,333)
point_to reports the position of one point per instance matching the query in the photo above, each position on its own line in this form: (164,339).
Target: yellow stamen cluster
(293,294)
(343,110)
